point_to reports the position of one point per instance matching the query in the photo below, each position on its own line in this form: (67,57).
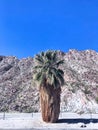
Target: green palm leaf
(46,69)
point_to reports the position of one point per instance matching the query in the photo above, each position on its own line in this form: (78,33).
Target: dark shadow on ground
(80,120)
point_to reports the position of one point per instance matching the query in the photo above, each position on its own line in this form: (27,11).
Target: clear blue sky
(30,26)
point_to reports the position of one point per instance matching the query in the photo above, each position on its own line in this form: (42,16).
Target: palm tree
(49,77)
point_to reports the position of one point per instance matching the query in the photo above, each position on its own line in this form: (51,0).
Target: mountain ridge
(79,94)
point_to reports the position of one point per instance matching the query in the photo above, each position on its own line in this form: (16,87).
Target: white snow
(29,120)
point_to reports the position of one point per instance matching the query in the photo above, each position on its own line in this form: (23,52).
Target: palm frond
(37,76)
(59,75)
(61,72)
(39,59)
(42,53)
(56,83)
(47,69)
(59,63)
(37,67)
(48,55)
(53,55)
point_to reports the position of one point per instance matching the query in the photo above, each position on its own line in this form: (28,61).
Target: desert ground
(33,121)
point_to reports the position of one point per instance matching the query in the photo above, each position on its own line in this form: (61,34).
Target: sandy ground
(67,121)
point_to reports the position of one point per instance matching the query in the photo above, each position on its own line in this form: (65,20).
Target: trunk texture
(50,103)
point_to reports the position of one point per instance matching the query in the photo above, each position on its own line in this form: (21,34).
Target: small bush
(96,99)
(86,90)
(31,109)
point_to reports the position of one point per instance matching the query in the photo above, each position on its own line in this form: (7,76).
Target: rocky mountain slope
(79,94)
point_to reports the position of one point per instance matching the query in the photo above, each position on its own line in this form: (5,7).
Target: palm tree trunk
(50,103)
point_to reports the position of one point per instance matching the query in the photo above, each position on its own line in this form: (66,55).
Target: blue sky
(30,26)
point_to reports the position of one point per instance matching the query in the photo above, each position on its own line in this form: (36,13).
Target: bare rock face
(79,94)
(16,90)
(81,82)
